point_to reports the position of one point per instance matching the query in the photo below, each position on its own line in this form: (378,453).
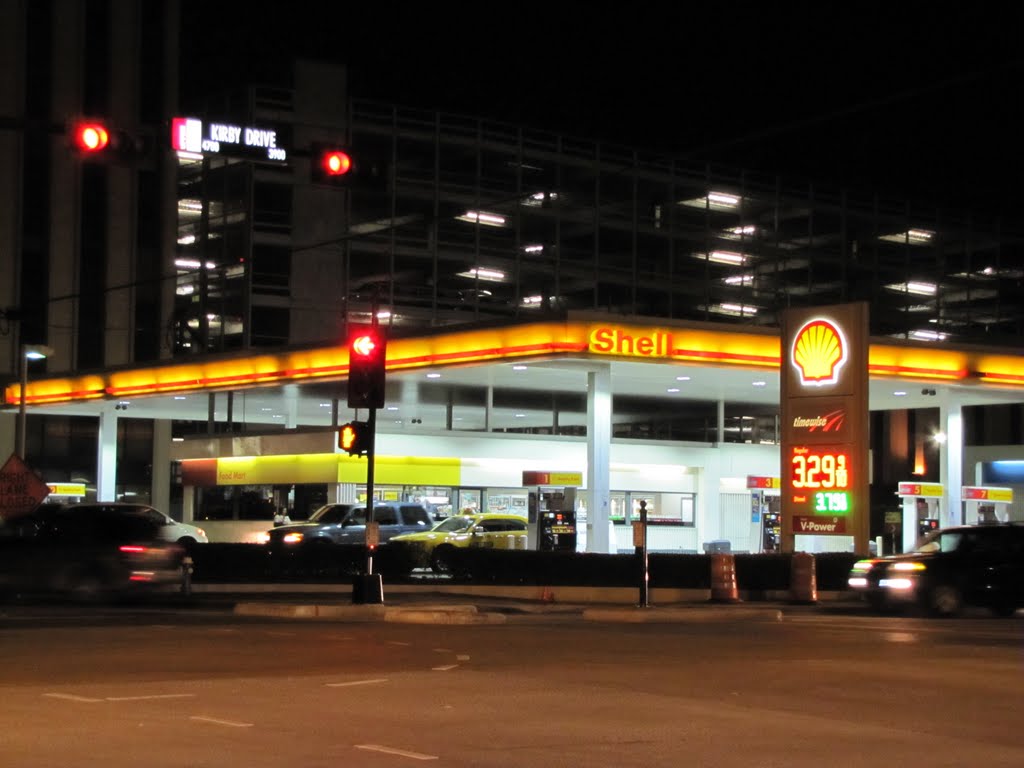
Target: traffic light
(331,165)
(366,359)
(354,438)
(90,137)
(96,140)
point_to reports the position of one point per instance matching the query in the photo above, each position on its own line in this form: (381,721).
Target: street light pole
(28,352)
(21,403)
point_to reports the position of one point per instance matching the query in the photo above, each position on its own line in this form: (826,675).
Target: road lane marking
(155,696)
(71,697)
(442,650)
(356,682)
(397,752)
(218,721)
(462,657)
(397,642)
(445,668)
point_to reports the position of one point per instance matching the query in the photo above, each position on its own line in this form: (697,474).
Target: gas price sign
(819,479)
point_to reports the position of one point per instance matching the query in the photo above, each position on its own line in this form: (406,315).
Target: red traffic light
(334,162)
(364,346)
(367,356)
(90,136)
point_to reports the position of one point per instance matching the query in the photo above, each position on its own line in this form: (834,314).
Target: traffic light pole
(370,456)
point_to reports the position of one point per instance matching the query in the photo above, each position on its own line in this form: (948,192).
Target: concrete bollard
(723,579)
(186,575)
(803,578)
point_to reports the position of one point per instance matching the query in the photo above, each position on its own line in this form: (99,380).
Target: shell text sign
(819,351)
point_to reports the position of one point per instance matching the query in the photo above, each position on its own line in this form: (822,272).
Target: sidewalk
(478,604)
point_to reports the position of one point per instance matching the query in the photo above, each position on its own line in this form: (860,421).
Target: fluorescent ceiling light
(186,240)
(533,249)
(916,287)
(716,201)
(911,236)
(734,310)
(738,280)
(483,273)
(723,257)
(484,218)
(927,335)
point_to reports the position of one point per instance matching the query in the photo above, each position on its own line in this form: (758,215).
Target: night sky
(907,99)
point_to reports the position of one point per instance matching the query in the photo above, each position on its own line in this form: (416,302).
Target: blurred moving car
(346,524)
(951,568)
(492,530)
(169,529)
(110,552)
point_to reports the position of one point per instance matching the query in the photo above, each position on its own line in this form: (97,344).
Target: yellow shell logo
(819,351)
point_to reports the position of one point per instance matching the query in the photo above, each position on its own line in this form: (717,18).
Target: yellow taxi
(493,530)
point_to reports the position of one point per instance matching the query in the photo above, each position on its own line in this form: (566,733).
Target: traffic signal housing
(97,140)
(367,353)
(331,165)
(354,438)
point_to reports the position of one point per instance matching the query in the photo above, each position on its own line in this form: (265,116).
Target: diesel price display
(819,477)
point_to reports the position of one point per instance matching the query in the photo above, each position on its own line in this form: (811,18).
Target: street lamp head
(37,351)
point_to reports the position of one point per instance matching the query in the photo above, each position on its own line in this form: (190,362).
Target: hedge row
(240,563)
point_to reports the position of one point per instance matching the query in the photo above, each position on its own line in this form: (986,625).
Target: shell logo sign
(819,352)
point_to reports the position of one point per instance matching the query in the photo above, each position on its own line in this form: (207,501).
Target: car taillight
(134,549)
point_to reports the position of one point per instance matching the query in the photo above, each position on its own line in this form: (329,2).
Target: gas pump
(552,516)
(766,511)
(922,510)
(985,504)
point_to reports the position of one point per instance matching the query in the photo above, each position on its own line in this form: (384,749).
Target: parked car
(110,552)
(433,548)
(169,529)
(346,524)
(981,565)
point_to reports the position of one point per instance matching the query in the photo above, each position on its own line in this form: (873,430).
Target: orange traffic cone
(723,579)
(803,578)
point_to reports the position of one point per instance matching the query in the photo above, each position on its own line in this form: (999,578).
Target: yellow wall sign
(563,479)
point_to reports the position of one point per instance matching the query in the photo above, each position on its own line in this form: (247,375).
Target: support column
(599,439)
(720,425)
(160,482)
(106,458)
(951,473)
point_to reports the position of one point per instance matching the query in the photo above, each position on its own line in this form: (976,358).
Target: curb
(441,614)
(681,615)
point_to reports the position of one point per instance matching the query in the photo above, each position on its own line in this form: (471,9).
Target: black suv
(56,550)
(978,565)
(346,524)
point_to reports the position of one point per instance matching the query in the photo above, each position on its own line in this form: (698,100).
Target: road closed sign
(21,490)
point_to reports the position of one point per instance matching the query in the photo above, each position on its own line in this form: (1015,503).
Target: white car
(169,528)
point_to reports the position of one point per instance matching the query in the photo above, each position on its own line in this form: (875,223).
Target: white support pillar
(106,458)
(599,440)
(291,406)
(160,482)
(951,472)
(720,431)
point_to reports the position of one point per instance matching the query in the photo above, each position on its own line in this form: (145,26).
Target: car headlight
(263,538)
(292,538)
(862,566)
